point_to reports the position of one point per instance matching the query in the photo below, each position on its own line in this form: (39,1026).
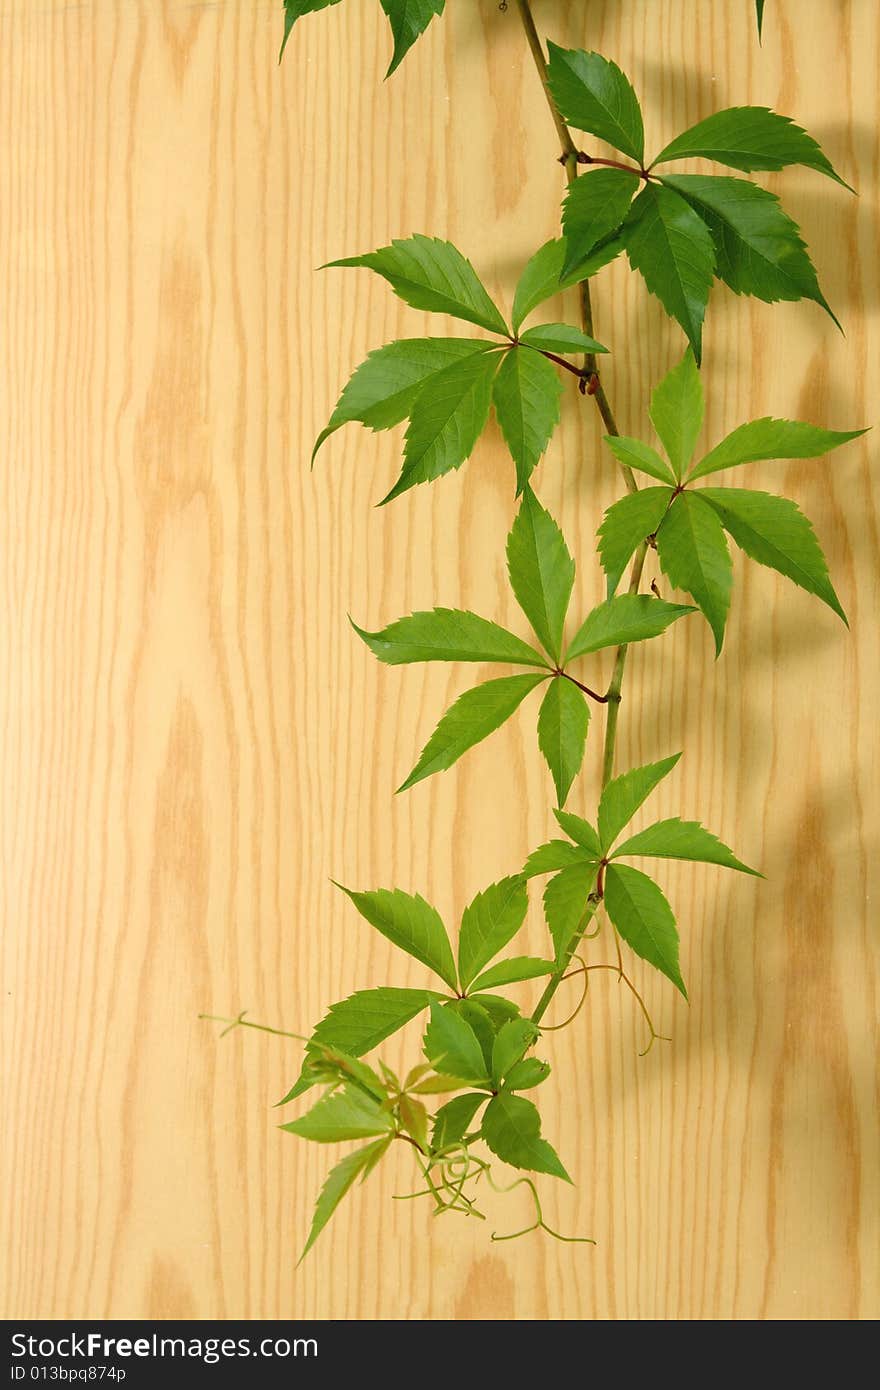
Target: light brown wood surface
(193,740)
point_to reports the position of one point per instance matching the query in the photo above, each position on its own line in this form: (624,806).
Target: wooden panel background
(193,741)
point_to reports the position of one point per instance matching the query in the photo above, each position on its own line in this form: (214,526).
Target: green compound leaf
(382,390)
(682,839)
(526,394)
(559,337)
(644,919)
(672,248)
(408,19)
(627,618)
(563,722)
(431,274)
(694,556)
(634,454)
(453,1120)
(475,715)
(512,1043)
(775,532)
(626,524)
(410,923)
(624,795)
(448,634)
(512,1130)
(341,1178)
(556,854)
(593,95)
(488,923)
(447,418)
(345,1114)
(771,439)
(452,1046)
(595,206)
(294,10)
(758,248)
(525,1075)
(541,571)
(566,903)
(749,138)
(581,831)
(677,412)
(513,971)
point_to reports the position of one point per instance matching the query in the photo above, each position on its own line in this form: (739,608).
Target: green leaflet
(758,248)
(559,337)
(410,923)
(627,618)
(634,454)
(512,1043)
(543,276)
(567,905)
(342,1177)
(562,733)
(448,634)
(452,1046)
(481,1023)
(749,138)
(773,531)
(381,392)
(670,245)
(345,1114)
(526,394)
(447,418)
(414,1120)
(541,571)
(408,19)
(294,10)
(497,1007)
(694,556)
(626,525)
(453,1119)
(431,274)
(593,95)
(771,439)
(624,795)
(513,971)
(677,412)
(525,1075)
(512,1129)
(644,919)
(556,854)
(682,839)
(581,832)
(759,11)
(332,1066)
(491,920)
(475,714)
(595,206)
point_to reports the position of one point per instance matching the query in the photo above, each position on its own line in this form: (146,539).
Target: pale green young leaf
(563,721)
(447,418)
(682,839)
(512,1129)
(431,274)
(624,795)
(694,556)
(644,919)
(593,95)
(559,337)
(526,393)
(381,392)
(595,206)
(758,248)
(749,138)
(581,831)
(556,854)
(487,924)
(624,619)
(294,10)
(512,1043)
(771,439)
(775,532)
(626,525)
(344,1114)
(672,248)
(453,1047)
(513,971)
(525,1075)
(414,1120)
(438,1085)
(567,904)
(340,1179)
(677,412)
(448,634)
(408,19)
(634,454)
(541,571)
(410,923)
(453,1120)
(331,1066)
(475,715)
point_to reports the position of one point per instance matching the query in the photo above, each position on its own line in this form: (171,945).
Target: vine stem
(570,159)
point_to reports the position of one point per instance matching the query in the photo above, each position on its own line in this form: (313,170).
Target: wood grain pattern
(193,741)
